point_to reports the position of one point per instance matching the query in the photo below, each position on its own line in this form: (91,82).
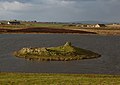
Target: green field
(58,79)
(30,24)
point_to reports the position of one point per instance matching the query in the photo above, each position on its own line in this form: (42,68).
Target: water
(107,46)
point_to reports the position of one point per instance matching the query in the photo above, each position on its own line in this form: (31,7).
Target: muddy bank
(43,30)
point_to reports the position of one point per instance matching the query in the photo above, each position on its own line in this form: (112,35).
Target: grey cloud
(80,0)
(91,0)
(43,1)
(23,1)
(65,10)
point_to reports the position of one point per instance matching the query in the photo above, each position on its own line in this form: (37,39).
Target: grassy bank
(58,79)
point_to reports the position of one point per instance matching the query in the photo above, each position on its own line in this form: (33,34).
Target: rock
(68,44)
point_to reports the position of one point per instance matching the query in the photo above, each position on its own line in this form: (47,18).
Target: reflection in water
(107,46)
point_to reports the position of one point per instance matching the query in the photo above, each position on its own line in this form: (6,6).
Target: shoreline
(103,34)
(46,30)
(43,30)
(103,31)
(115,75)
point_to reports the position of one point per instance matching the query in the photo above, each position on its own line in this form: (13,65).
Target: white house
(100,25)
(13,23)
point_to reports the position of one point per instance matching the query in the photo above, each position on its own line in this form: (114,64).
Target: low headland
(66,52)
(42,30)
(49,27)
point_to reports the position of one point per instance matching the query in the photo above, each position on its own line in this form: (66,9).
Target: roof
(14,22)
(102,25)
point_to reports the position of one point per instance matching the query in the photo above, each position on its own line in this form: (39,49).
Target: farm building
(100,25)
(13,23)
(87,25)
(92,25)
(84,25)
(2,23)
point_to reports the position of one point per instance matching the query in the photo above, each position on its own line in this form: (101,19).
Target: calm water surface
(107,46)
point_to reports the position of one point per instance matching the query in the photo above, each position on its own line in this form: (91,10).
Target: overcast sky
(60,10)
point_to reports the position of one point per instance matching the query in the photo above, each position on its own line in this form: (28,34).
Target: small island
(66,52)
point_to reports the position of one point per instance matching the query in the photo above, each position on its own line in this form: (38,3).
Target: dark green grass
(58,79)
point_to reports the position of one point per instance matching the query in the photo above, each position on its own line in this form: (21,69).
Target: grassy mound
(61,53)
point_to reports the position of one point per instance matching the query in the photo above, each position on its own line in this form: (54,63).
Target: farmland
(31,27)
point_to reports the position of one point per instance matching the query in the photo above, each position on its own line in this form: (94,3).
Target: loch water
(107,46)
